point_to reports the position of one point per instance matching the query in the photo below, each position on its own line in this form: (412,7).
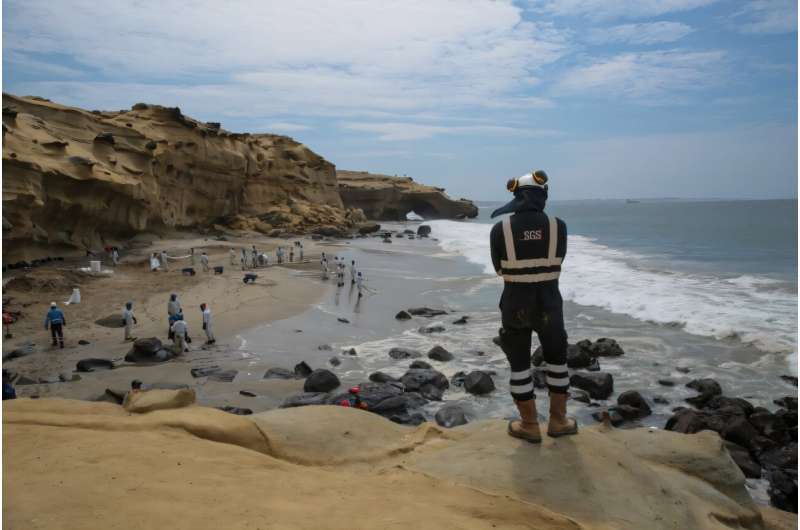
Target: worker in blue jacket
(56,321)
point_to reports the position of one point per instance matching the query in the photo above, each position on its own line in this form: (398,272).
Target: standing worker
(164,258)
(352,272)
(244,259)
(360,284)
(300,248)
(56,321)
(129,320)
(528,248)
(210,339)
(115,256)
(174,305)
(204,261)
(180,331)
(233,256)
(191,253)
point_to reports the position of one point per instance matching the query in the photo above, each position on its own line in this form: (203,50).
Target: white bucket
(76,297)
(95,266)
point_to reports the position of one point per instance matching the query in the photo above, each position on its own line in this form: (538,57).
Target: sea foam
(753,309)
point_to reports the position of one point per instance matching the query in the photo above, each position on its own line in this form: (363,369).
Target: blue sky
(615,99)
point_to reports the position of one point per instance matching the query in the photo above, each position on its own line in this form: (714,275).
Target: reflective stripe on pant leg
(557,377)
(517,347)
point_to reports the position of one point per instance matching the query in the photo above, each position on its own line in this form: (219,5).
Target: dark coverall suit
(531,300)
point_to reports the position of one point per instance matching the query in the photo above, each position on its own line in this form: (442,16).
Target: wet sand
(279,292)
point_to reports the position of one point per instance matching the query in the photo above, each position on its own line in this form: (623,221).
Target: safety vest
(531,269)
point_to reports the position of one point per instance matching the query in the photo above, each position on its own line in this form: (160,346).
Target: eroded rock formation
(287,467)
(386,198)
(81,178)
(84,179)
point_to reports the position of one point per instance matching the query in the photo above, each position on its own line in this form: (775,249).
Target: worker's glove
(135,321)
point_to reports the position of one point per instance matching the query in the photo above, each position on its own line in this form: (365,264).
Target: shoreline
(277,294)
(293,325)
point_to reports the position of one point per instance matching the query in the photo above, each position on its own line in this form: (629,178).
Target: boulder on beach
(578,356)
(602,347)
(321,380)
(306,398)
(426,312)
(478,383)
(423,230)
(599,385)
(302,369)
(162,355)
(380,377)
(404,353)
(93,364)
(148,346)
(403,315)
(420,365)
(427,330)
(438,353)
(414,379)
(707,389)
(452,415)
(632,406)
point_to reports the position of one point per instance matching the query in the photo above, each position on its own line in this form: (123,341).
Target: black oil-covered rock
(707,389)
(93,364)
(380,377)
(420,365)
(478,383)
(438,353)
(404,353)
(599,385)
(306,398)
(414,379)
(452,415)
(426,312)
(321,380)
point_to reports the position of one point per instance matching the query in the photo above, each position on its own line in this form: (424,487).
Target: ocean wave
(752,309)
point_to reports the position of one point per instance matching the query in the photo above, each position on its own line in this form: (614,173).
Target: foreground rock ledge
(195,467)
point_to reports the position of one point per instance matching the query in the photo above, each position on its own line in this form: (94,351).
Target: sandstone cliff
(83,178)
(382,197)
(330,467)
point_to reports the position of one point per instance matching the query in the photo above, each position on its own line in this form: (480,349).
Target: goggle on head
(536,179)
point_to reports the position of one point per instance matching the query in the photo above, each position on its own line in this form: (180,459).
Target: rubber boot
(530,422)
(560,424)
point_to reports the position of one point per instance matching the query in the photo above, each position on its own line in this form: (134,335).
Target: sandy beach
(278,293)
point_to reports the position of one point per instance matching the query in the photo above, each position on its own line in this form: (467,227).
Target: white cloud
(395,131)
(766,16)
(609,9)
(645,33)
(646,75)
(328,57)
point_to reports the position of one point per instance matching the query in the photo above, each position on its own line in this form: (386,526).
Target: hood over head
(530,193)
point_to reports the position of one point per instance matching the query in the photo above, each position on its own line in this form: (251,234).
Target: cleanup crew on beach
(528,248)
